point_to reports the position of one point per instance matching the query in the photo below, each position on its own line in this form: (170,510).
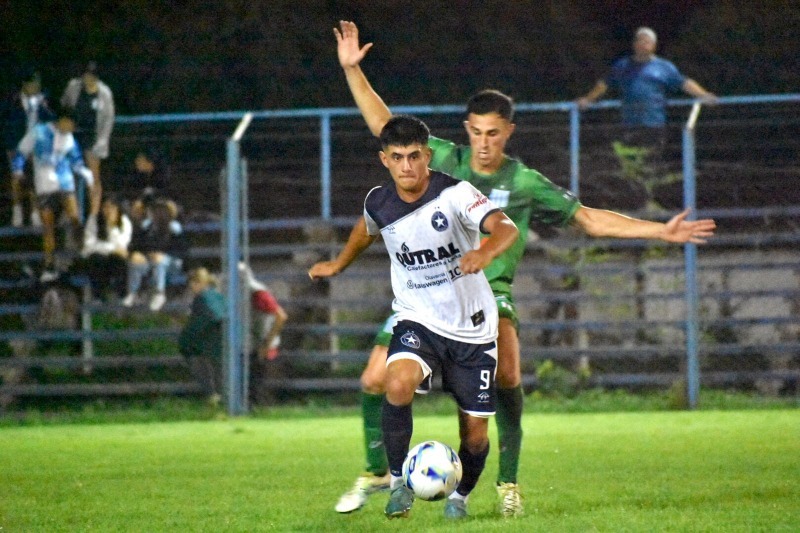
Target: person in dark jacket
(19,114)
(157,248)
(200,340)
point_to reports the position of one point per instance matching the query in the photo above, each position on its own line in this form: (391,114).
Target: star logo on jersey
(439,221)
(410,339)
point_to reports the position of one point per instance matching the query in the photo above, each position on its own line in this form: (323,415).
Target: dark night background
(232,55)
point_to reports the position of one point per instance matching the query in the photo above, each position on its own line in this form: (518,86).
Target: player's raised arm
(603,223)
(502,234)
(358,241)
(375,112)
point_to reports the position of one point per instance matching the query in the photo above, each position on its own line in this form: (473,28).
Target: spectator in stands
(20,113)
(151,171)
(643,81)
(56,155)
(200,341)
(105,249)
(267,319)
(93,103)
(157,248)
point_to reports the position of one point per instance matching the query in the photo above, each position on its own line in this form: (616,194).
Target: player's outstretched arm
(603,223)
(502,234)
(375,112)
(358,241)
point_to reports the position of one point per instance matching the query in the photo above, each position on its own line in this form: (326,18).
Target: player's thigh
(468,374)
(508,356)
(373,378)
(93,162)
(70,205)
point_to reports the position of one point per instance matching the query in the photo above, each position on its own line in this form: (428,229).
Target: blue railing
(573,123)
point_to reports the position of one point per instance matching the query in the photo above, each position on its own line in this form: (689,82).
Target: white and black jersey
(425,240)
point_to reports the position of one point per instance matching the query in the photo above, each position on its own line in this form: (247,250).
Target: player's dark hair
(404,130)
(491,101)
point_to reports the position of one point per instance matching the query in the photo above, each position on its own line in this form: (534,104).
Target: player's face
(408,166)
(65,125)
(644,46)
(488,135)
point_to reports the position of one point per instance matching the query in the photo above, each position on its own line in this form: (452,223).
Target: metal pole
(690,258)
(325,164)
(232,252)
(574,149)
(234,356)
(244,303)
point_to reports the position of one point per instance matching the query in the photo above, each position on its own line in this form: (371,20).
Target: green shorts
(506,308)
(385,334)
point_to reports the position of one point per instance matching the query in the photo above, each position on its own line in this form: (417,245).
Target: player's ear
(384,158)
(511,127)
(466,125)
(427,153)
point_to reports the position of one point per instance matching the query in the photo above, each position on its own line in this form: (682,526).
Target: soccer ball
(432,470)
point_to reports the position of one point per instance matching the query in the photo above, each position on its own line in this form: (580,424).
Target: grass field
(643,471)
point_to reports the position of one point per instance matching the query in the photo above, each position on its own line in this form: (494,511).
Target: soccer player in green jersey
(522,193)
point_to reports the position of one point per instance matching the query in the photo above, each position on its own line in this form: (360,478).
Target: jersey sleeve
(613,77)
(674,78)
(264,302)
(552,205)
(446,156)
(473,205)
(372,227)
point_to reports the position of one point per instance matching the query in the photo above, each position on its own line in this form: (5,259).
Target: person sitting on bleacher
(56,155)
(157,248)
(104,257)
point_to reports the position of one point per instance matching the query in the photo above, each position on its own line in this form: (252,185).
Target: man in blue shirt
(643,81)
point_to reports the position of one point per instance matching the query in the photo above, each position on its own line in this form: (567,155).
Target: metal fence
(622,307)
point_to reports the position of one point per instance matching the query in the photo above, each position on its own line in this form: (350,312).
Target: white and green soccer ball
(432,470)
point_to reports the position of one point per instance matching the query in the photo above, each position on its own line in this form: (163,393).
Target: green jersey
(521,192)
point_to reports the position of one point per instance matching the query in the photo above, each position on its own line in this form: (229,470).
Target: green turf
(654,471)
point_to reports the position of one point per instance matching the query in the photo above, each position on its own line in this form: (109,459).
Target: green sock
(371,408)
(509,431)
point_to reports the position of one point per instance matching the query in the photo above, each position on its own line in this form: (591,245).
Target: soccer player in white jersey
(446,314)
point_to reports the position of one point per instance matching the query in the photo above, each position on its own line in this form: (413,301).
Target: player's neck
(411,196)
(487,168)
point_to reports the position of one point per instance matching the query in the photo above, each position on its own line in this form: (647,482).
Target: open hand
(678,229)
(323,269)
(350,55)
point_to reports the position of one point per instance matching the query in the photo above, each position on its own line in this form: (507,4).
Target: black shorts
(467,370)
(53,200)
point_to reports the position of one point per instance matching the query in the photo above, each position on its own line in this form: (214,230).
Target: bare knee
(373,378)
(474,433)
(402,378)
(373,382)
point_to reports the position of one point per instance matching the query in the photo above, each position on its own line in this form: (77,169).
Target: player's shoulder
(621,62)
(518,170)
(441,181)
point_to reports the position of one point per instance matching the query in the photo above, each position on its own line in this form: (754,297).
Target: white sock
(457,496)
(395,482)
